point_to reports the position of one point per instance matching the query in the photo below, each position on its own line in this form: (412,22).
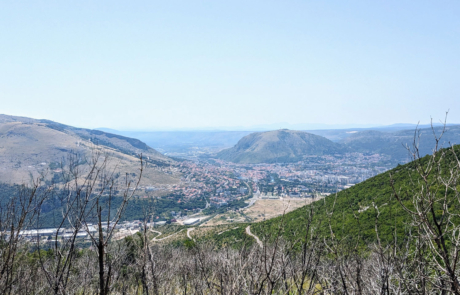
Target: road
(159,233)
(248,231)
(205,223)
(155,231)
(188,233)
(251,200)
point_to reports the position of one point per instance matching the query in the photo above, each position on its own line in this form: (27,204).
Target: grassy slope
(347,221)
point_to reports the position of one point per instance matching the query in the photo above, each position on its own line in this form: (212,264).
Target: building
(191,221)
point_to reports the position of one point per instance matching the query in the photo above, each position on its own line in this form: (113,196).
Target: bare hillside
(29,147)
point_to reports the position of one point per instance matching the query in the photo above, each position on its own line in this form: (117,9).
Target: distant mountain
(278,146)
(337,135)
(393,143)
(291,146)
(30,146)
(188,140)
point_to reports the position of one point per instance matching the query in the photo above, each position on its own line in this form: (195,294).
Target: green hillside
(352,213)
(279,146)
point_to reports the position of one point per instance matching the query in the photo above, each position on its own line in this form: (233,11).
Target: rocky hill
(30,146)
(279,146)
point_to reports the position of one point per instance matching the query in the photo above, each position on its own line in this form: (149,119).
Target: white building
(191,221)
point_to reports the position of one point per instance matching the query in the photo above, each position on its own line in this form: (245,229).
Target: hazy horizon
(274,126)
(262,127)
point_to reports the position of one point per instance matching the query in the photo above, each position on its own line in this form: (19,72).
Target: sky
(151,65)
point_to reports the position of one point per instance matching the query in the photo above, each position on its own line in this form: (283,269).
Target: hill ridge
(278,146)
(29,147)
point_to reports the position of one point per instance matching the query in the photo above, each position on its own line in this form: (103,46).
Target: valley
(200,184)
(177,188)
(229,148)
(281,191)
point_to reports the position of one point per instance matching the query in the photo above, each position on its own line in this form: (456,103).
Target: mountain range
(389,140)
(28,145)
(292,146)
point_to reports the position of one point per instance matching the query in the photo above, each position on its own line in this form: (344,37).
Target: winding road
(188,233)
(159,234)
(248,231)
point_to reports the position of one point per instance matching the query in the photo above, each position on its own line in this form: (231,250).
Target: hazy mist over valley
(243,147)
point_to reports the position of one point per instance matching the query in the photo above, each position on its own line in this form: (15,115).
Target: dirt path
(156,240)
(188,233)
(248,231)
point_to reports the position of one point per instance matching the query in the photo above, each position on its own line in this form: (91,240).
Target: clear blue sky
(176,64)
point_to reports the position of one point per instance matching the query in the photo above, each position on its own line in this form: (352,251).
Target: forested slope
(361,211)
